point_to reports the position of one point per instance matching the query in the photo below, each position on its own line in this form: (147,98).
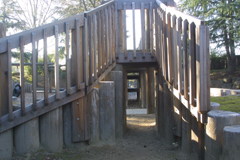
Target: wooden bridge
(175,44)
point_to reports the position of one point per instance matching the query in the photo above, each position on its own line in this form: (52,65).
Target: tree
(73,7)
(223,19)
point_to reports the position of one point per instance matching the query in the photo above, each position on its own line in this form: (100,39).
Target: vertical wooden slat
(113,34)
(179,55)
(165,46)
(169,44)
(174,50)
(143,29)
(125,30)
(151,29)
(94,47)
(90,49)
(99,27)
(45,67)
(56,67)
(22,76)
(103,41)
(81,59)
(185,59)
(9,58)
(203,69)
(106,37)
(77,36)
(192,63)
(67,38)
(134,37)
(157,36)
(116,30)
(34,71)
(85,52)
(110,34)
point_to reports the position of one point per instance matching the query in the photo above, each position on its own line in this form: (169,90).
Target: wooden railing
(91,35)
(179,44)
(182,47)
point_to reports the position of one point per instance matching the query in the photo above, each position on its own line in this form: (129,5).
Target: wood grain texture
(22,76)
(68,60)
(56,66)
(134,36)
(34,71)
(125,29)
(185,60)
(143,28)
(45,67)
(10,106)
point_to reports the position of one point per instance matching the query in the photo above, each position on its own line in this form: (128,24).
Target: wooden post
(143,29)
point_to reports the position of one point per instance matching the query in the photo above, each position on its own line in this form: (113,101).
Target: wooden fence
(93,36)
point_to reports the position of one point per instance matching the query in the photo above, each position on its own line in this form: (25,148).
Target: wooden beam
(34,71)
(138,59)
(67,40)
(125,30)
(134,37)
(45,67)
(9,59)
(56,66)
(143,29)
(133,76)
(179,55)
(151,28)
(133,89)
(116,30)
(22,76)
(185,59)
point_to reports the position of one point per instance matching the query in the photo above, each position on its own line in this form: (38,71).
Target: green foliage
(223,19)
(228,103)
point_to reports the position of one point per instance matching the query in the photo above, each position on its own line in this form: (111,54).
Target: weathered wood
(45,67)
(113,34)
(104,57)
(56,66)
(107,37)
(192,64)
(68,69)
(22,76)
(100,48)
(139,59)
(78,53)
(78,120)
(116,30)
(94,47)
(90,50)
(110,39)
(185,59)
(34,71)
(169,44)
(125,29)
(137,4)
(134,37)
(26,35)
(85,52)
(133,76)
(203,69)
(179,55)
(165,50)
(151,28)
(41,109)
(174,52)
(143,28)
(9,57)
(87,121)
(133,89)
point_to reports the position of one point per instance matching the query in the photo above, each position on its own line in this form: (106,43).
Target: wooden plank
(100,48)
(133,89)
(169,43)
(34,71)
(56,66)
(110,35)
(106,38)
(137,4)
(87,121)
(143,29)
(22,76)
(151,28)
(192,64)
(174,50)
(157,36)
(94,47)
(113,34)
(165,51)
(78,62)
(139,59)
(45,67)
(9,59)
(78,120)
(203,69)
(125,29)
(116,30)
(133,77)
(85,52)
(27,37)
(185,59)
(134,36)
(68,69)
(179,55)
(103,41)
(90,49)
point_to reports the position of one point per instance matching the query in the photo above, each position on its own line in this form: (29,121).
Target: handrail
(174,11)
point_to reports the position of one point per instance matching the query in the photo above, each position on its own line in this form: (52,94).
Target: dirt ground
(141,142)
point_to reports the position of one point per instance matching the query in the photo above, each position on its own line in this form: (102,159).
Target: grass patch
(228,103)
